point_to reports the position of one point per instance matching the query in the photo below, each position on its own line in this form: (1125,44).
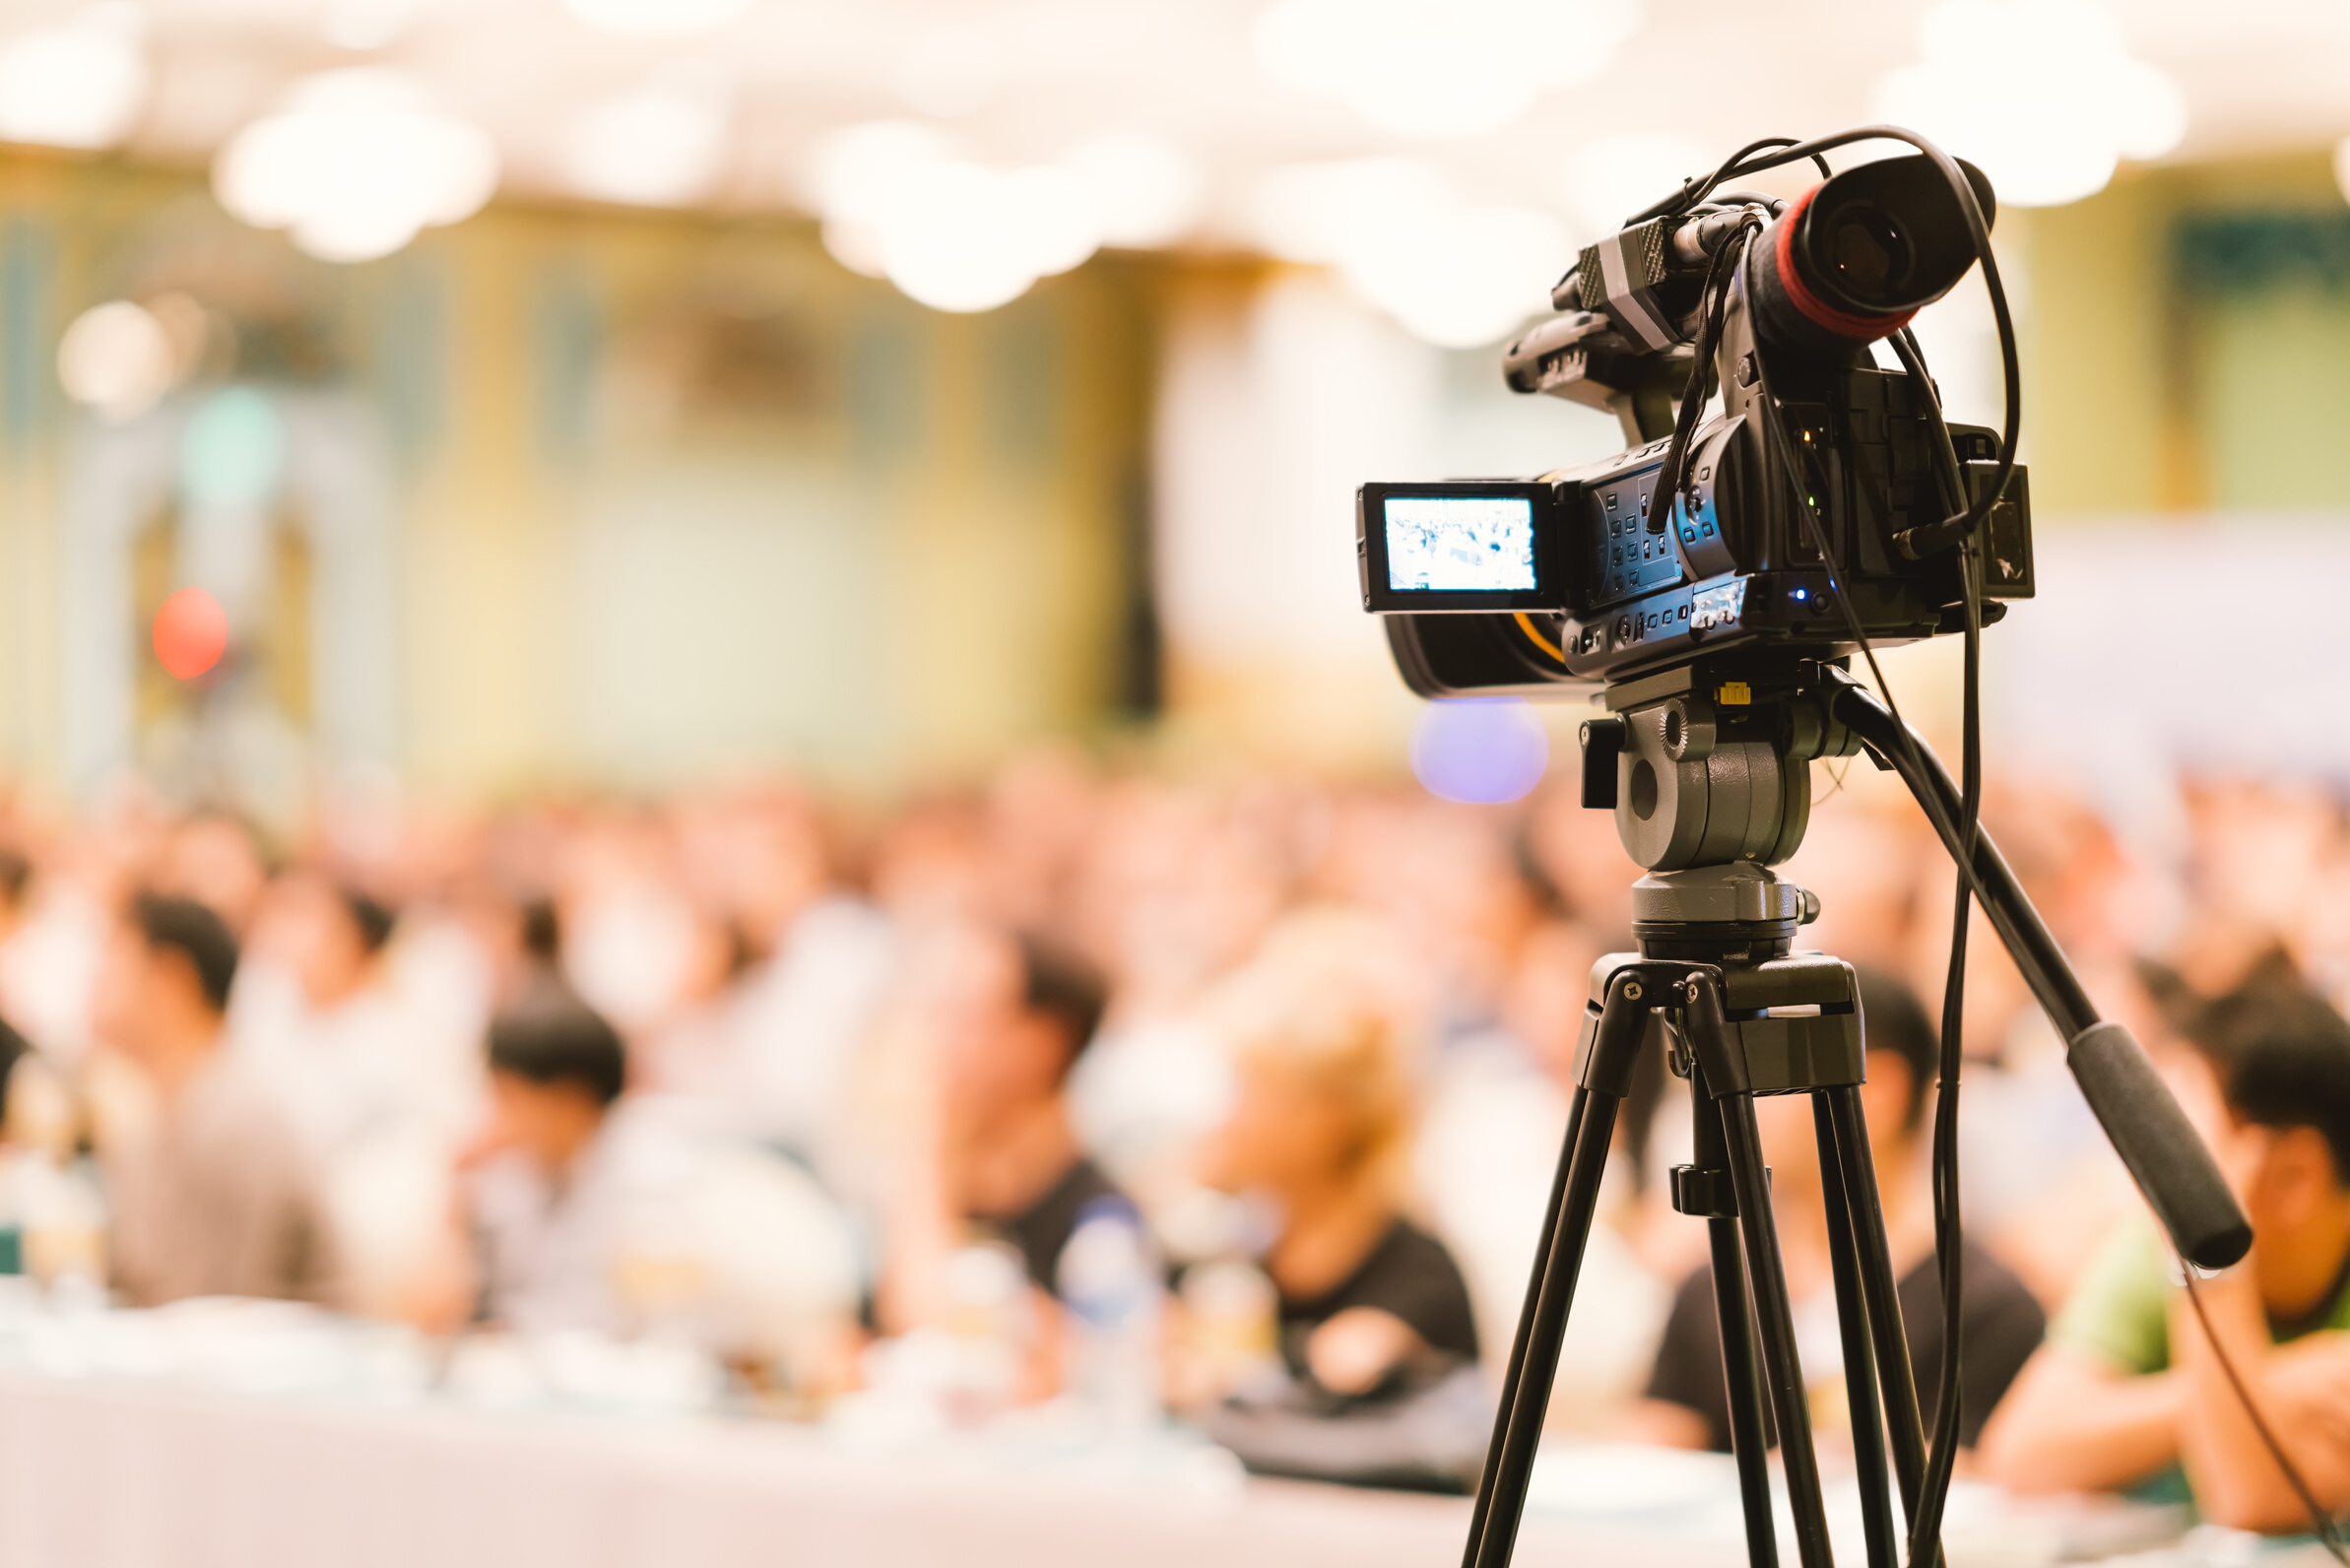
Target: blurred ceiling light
(1053,213)
(953,247)
(1607,180)
(355,164)
(1441,69)
(1321,213)
(1148,193)
(860,176)
(1454,271)
(660,145)
(950,72)
(655,18)
(116,360)
(2042,94)
(362,24)
(953,234)
(78,83)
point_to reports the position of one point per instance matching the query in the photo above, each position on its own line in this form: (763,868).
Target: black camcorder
(1735,525)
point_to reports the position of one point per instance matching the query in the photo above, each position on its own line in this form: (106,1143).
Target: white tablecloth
(123,1474)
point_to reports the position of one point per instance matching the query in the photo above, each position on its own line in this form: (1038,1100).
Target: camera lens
(1851,260)
(1871,255)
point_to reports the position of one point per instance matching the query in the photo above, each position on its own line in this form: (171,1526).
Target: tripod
(1708,772)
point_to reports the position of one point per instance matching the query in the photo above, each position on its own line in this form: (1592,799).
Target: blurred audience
(2128,1393)
(826,1092)
(216,1193)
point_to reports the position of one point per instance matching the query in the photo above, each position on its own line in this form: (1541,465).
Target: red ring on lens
(1821,314)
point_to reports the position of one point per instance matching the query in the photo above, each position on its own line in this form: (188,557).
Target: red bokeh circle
(191,632)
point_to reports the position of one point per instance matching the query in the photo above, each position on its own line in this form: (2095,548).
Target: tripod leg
(1775,1324)
(1747,1439)
(1721,1053)
(1860,1362)
(1518,1428)
(1881,1291)
(1603,1075)
(1525,1319)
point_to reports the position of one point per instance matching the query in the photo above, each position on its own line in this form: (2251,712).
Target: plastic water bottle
(1110,1284)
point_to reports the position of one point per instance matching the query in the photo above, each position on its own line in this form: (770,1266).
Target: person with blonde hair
(1369,1303)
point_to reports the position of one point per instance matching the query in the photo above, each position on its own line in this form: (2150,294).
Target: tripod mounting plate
(1797,1019)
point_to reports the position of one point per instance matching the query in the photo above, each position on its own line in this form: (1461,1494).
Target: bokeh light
(115,359)
(356,164)
(1479,751)
(2044,95)
(642,19)
(191,632)
(957,235)
(1441,69)
(1455,272)
(233,451)
(660,144)
(81,84)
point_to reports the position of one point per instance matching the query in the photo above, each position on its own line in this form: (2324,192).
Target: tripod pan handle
(2155,1140)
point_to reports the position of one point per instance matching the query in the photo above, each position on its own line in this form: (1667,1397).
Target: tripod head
(1707,767)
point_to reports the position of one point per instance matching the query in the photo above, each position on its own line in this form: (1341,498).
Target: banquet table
(117,1473)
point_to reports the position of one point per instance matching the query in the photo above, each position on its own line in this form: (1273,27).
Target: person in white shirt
(380,1094)
(542,1191)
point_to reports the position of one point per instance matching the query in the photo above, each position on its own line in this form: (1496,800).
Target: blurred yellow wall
(671,494)
(674,494)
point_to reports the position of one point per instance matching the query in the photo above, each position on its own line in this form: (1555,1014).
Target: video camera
(1821,474)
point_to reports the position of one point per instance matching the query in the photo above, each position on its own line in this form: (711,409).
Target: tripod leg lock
(1703,1194)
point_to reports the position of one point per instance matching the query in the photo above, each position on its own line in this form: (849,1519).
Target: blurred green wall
(2187,342)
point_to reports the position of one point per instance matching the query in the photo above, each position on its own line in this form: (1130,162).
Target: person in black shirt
(1009,1019)
(1369,1303)
(1686,1404)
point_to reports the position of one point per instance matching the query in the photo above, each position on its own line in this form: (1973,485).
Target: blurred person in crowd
(2127,1394)
(215,860)
(1873,860)
(542,1195)
(928,867)
(378,1090)
(2259,854)
(1006,1021)
(1368,1302)
(1172,897)
(218,1194)
(1686,1404)
(16,882)
(15,886)
(1582,858)
(1041,808)
(59,928)
(1447,880)
(13,1050)
(792,968)
(1176,886)
(310,1012)
(627,921)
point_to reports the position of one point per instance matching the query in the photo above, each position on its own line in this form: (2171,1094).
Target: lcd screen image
(1460,543)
